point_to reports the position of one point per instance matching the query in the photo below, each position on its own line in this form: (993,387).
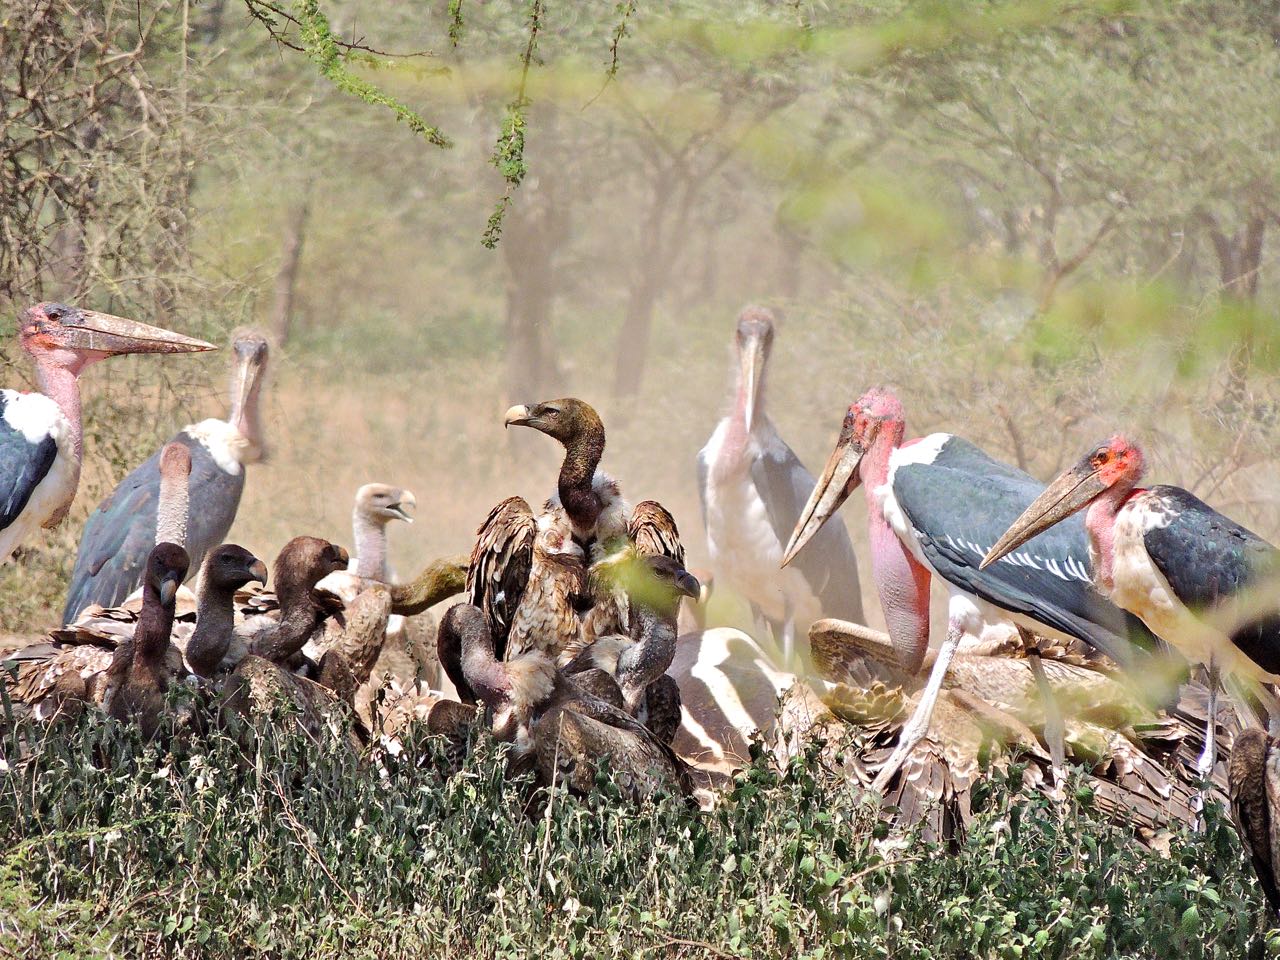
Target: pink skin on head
(901,581)
(1120,464)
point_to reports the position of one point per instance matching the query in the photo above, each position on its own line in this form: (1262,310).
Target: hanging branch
(455,22)
(315,38)
(508,152)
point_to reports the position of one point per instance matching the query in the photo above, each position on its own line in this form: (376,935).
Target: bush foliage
(224,846)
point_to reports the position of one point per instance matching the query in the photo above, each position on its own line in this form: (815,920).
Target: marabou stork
(931,503)
(41,435)
(1199,580)
(753,487)
(567,732)
(121,531)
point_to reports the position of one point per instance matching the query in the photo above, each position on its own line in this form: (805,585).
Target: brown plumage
(654,586)
(1139,764)
(651,532)
(527,576)
(567,732)
(1253,781)
(57,676)
(143,668)
(227,568)
(577,426)
(300,565)
(264,680)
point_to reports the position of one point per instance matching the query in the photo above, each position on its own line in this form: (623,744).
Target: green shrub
(278,847)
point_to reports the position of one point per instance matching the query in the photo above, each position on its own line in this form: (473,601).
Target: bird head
(875,418)
(251,355)
(73,338)
(565,420)
(304,562)
(166,570)
(231,566)
(1117,464)
(382,503)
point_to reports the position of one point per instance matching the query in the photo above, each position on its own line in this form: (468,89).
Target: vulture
(567,733)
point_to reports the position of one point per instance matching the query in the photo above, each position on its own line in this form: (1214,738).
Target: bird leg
(915,729)
(1209,756)
(789,639)
(1054,726)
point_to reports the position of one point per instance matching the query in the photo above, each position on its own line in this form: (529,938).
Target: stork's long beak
(258,571)
(111,335)
(751,372)
(688,585)
(518,415)
(839,479)
(251,361)
(1069,493)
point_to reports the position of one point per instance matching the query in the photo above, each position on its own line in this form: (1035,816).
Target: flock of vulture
(1090,621)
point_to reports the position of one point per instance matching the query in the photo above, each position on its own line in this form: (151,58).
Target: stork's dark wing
(1208,559)
(500,564)
(653,530)
(23,464)
(827,564)
(121,532)
(959,506)
(1253,782)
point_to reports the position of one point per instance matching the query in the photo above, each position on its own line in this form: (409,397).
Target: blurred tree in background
(1044,221)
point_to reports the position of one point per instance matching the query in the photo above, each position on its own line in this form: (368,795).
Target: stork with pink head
(41,434)
(933,504)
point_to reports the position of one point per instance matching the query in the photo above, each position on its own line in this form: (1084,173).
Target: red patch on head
(1119,460)
(877,405)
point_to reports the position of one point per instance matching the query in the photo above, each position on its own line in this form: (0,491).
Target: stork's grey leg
(915,729)
(789,639)
(1055,727)
(1209,756)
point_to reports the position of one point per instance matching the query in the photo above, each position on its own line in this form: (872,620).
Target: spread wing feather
(500,564)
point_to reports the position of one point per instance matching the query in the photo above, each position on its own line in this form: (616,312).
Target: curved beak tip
(258,571)
(168,590)
(517,415)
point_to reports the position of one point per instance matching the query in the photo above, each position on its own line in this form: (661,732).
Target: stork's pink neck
(1100,522)
(59,382)
(901,581)
(737,437)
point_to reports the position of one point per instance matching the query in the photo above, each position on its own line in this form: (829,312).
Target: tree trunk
(287,275)
(652,265)
(535,229)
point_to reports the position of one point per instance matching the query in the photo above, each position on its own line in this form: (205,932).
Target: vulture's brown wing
(500,563)
(653,530)
(1252,784)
